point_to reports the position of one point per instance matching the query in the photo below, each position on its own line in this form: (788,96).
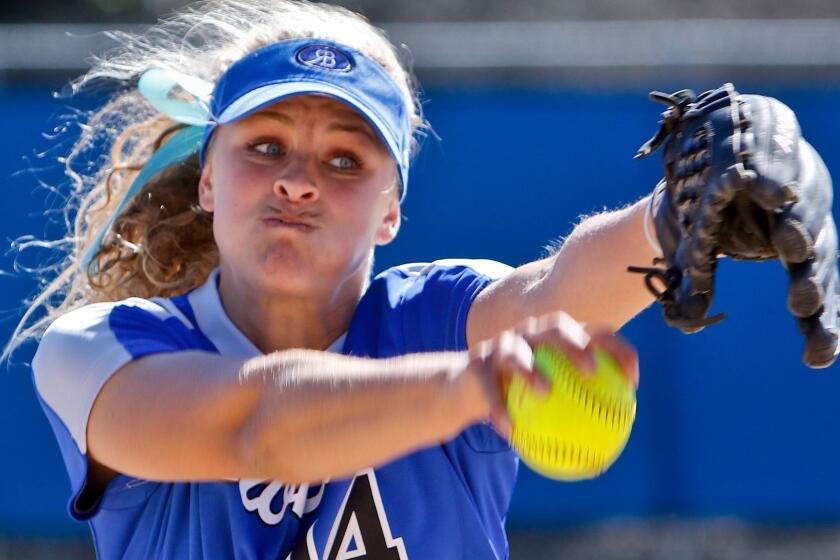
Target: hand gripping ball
(580,428)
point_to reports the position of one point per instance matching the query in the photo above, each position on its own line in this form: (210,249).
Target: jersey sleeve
(436,298)
(434,306)
(77,355)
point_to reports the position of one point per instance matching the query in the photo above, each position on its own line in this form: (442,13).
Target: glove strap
(670,280)
(651,238)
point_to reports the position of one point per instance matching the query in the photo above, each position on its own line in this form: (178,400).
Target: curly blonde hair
(162,243)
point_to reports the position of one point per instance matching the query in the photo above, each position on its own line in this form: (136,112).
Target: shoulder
(423,306)
(119,323)
(82,348)
(446,278)
(101,315)
(443,268)
(443,281)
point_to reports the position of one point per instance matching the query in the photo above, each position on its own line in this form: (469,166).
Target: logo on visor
(324,57)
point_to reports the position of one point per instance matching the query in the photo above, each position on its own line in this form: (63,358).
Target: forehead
(316,107)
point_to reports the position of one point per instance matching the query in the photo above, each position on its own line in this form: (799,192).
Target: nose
(296,184)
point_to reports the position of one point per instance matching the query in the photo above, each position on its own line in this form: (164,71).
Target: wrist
(459,392)
(464,401)
(441,387)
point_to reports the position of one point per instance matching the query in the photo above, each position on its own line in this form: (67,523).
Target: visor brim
(264,96)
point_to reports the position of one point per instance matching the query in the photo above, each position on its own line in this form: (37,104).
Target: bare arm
(296,416)
(303,415)
(587,278)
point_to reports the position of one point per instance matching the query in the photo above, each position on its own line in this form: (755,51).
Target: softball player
(223,377)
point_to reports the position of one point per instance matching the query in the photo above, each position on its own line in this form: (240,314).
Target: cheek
(236,184)
(373,195)
(362,218)
(237,196)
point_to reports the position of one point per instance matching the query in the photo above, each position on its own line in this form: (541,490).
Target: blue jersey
(448,501)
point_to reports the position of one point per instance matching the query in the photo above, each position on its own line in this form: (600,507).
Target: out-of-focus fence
(524,48)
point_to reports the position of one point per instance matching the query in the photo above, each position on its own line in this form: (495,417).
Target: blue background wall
(729,421)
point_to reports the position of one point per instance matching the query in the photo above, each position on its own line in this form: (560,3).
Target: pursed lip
(288,220)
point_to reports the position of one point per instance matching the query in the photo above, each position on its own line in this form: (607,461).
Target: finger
(538,381)
(496,381)
(809,280)
(770,195)
(484,349)
(813,190)
(517,358)
(568,336)
(792,241)
(574,330)
(493,390)
(689,311)
(771,140)
(805,295)
(798,225)
(748,227)
(621,351)
(528,326)
(582,357)
(820,343)
(697,252)
(513,354)
(820,329)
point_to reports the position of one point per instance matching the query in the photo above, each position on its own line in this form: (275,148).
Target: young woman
(223,377)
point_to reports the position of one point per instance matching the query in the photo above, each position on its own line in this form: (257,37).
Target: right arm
(297,416)
(304,416)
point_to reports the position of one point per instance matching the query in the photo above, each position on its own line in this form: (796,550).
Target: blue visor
(307,66)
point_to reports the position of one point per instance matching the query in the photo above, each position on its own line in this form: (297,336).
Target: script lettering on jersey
(258,495)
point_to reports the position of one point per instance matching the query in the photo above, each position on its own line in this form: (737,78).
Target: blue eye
(267,148)
(344,163)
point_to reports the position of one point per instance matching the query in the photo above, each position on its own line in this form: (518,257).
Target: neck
(275,322)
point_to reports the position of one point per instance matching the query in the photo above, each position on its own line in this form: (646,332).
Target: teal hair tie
(156,86)
(182,145)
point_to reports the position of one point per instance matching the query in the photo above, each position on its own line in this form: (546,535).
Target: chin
(287,278)
(286,272)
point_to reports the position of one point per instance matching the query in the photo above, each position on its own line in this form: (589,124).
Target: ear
(205,189)
(390,225)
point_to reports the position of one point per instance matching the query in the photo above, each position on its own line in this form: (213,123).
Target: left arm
(587,278)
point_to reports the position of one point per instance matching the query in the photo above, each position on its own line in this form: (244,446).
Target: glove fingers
(791,240)
(813,190)
(771,196)
(820,342)
(699,265)
(819,276)
(688,311)
(812,279)
(747,232)
(805,292)
(702,243)
(770,144)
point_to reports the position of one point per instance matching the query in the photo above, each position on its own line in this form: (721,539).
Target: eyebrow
(356,129)
(282,117)
(335,126)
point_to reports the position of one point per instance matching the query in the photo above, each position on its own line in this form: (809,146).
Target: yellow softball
(580,428)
